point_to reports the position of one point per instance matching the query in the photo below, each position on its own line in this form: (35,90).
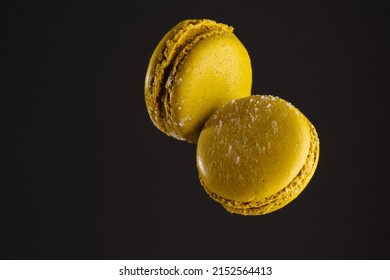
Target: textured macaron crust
(197,67)
(256,154)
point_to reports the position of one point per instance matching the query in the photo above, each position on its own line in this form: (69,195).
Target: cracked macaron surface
(197,67)
(256,154)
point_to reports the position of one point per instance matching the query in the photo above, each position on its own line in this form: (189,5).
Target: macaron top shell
(252,149)
(184,73)
(216,71)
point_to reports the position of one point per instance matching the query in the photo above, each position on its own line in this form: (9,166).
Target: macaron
(198,66)
(256,154)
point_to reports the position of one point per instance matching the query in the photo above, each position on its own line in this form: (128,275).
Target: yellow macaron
(256,154)
(198,66)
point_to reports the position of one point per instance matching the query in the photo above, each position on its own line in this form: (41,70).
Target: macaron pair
(198,66)
(255,153)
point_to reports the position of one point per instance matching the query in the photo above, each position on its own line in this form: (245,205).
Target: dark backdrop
(86,175)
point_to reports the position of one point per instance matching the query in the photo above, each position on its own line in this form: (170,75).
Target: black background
(86,175)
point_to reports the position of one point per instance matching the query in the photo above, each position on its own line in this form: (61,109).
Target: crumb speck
(274,126)
(183,121)
(220,124)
